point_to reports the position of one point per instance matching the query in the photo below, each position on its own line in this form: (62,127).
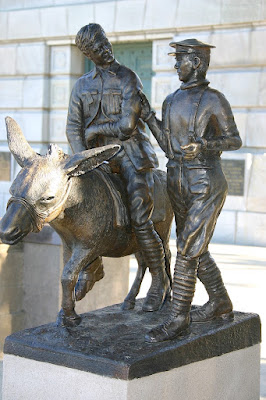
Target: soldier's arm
(229,138)
(75,122)
(154,124)
(126,124)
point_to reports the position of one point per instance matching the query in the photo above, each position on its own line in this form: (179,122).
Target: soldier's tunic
(108,99)
(197,188)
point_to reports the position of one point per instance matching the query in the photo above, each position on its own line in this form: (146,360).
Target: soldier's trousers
(140,187)
(197,194)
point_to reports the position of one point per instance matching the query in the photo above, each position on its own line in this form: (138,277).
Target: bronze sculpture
(57,188)
(105,108)
(197,125)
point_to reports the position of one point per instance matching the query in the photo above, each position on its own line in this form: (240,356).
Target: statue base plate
(106,357)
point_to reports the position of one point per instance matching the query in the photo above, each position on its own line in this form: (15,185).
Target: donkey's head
(43,184)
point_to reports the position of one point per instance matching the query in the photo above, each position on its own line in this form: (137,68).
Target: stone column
(12,314)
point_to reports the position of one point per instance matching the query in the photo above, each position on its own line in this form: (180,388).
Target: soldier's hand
(191,150)
(145,106)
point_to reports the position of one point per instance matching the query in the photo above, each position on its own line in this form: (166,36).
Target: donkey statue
(67,192)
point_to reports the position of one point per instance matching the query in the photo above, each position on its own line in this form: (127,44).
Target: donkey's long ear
(18,144)
(87,160)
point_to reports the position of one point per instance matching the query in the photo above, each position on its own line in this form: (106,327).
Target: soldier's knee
(187,251)
(142,225)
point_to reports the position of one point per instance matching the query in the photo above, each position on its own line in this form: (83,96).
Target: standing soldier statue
(197,125)
(105,108)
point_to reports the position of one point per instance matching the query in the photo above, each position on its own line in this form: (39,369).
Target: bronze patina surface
(104,108)
(197,126)
(68,192)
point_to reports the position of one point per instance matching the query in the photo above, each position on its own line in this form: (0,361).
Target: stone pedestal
(107,358)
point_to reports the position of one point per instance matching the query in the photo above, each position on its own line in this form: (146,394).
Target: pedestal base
(107,358)
(232,376)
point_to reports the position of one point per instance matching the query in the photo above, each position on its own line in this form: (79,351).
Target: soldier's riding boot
(184,282)
(153,253)
(219,304)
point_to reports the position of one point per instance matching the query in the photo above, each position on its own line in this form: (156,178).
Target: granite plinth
(110,342)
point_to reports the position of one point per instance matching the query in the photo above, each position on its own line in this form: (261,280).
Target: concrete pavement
(244,272)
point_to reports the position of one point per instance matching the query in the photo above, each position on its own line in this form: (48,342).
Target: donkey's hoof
(60,317)
(86,282)
(70,321)
(127,305)
(80,289)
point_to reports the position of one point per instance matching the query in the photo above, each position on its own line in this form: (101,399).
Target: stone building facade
(39,64)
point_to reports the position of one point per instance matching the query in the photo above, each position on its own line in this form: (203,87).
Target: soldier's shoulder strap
(194,110)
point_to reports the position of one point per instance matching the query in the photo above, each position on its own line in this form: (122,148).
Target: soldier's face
(101,52)
(184,67)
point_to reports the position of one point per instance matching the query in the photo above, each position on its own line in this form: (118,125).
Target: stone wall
(39,64)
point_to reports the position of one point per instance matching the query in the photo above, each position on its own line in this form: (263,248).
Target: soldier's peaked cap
(188,46)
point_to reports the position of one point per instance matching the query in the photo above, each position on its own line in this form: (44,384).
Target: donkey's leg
(80,259)
(88,276)
(67,252)
(129,301)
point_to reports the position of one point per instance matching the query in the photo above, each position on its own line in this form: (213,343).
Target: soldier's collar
(112,69)
(193,84)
